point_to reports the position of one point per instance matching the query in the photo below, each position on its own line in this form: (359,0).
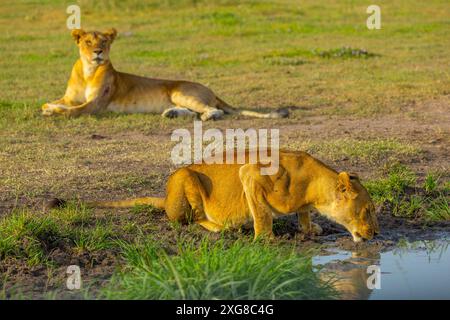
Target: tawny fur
(219,196)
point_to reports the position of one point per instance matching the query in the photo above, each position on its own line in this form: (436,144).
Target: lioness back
(221,188)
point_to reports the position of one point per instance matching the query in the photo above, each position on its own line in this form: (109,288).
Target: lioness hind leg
(177,112)
(213,114)
(209,225)
(198,105)
(184,201)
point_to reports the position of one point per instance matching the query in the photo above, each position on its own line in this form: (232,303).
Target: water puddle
(413,270)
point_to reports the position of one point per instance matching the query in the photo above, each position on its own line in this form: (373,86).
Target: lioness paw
(178,112)
(269,236)
(170,113)
(316,229)
(46,110)
(50,109)
(212,115)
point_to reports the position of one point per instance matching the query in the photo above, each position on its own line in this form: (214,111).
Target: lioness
(95,86)
(219,196)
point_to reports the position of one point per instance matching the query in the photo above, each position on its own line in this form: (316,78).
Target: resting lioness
(95,86)
(219,196)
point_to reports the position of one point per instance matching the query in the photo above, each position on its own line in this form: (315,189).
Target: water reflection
(348,271)
(417,270)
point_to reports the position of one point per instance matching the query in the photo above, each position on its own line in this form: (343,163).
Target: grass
(389,188)
(32,236)
(97,238)
(399,191)
(24,236)
(370,151)
(152,267)
(178,33)
(138,209)
(216,270)
(431,183)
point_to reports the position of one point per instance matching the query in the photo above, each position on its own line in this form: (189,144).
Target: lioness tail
(153,201)
(276,114)
(128,203)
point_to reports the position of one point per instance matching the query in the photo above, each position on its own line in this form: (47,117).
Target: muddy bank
(49,281)
(393,229)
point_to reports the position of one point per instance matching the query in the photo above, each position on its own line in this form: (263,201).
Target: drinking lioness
(219,196)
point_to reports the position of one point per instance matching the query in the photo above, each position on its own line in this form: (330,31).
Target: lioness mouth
(357,237)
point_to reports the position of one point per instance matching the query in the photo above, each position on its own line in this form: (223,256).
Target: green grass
(371,151)
(389,188)
(226,42)
(27,237)
(431,183)
(156,267)
(216,270)
(439,208)
(97,238)
(399,191)
(148,209)
(31,236)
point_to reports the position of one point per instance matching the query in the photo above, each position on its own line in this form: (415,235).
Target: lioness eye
(88,43)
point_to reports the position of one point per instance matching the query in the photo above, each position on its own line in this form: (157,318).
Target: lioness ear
(77,34)
(111,34)
(344,185)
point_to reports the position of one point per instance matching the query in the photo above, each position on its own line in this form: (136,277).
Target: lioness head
(93,45)
(353,208)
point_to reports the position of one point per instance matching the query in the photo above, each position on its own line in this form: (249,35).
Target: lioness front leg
(97,99)
(55,107)
(305,224)
(72,111)
(259,209)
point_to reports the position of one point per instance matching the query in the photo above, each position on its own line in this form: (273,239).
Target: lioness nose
(98,51)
